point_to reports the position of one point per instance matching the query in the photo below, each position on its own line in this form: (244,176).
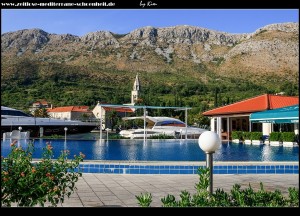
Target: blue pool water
(158,150)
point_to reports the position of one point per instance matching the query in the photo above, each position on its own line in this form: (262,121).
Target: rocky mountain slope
(271,49)
(178,54)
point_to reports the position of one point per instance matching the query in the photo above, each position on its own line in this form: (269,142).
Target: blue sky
(81,21)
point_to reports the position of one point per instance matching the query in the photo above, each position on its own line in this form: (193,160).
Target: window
(14,113)
(171,123)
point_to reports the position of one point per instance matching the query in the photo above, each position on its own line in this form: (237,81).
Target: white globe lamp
(65,129)
(20,128)
(209,142)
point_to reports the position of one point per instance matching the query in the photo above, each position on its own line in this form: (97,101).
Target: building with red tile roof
(70,109)
(40,104)
(235,116)
(119,109)
(102,111)
(71,113)
(255,104)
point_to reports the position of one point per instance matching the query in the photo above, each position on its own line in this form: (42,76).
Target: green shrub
(237,135)
(116,136)
(293,196)
(144,200)
(236,198)
(54,136)
(288,136)
(28,184)
(161,136)
(275,136)
(256,136)
(246,135)
(169,201)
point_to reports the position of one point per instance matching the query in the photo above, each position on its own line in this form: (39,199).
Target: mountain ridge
(268,58)
(185,30)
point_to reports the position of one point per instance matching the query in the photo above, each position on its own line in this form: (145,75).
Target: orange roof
(118,109)
(255,104)
(70,109)
(43,101)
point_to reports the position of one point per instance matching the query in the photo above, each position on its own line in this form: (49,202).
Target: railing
(33,119)
(15,134)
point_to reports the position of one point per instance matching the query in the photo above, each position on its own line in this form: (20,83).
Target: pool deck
(119,190)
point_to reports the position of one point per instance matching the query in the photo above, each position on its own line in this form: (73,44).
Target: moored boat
(156,126)
(13,119)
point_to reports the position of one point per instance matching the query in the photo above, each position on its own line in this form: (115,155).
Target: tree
(201,120)
(28,183)
(85,116)
(216,97)
(41,113)
(113,118)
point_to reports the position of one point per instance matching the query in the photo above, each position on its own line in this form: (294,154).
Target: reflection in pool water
(159,150)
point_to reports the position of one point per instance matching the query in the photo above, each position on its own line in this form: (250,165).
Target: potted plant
(288,138)
(275,138)
(256,138)
(247,137)
(236,136)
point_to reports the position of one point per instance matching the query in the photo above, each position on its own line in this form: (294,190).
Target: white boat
(156,126)
(13,119)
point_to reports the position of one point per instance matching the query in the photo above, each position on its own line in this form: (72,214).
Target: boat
(156,126)
(13,119)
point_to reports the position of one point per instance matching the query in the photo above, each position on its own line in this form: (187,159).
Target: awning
(289,114)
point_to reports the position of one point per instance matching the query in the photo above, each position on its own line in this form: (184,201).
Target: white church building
(121,111)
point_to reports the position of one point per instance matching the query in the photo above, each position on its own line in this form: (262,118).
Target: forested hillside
(177,66)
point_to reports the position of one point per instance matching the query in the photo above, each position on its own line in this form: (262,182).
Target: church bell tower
(135,90)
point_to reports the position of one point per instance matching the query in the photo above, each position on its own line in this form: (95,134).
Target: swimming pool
(158,150)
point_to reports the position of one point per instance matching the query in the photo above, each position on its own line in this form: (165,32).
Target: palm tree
(41,113)
(113,118)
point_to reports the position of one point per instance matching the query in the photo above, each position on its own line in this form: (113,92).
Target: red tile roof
(70,109)
(258,103)
(118,109)
(43,101)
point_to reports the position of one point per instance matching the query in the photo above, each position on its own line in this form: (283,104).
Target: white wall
(212,124)
(296,128)
(60,115)
(266,128)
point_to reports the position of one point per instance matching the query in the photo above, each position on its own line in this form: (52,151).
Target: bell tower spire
(135,90)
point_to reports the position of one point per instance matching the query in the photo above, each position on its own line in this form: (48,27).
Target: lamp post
(20,128)
(209,142)
(65,133)
(107,134)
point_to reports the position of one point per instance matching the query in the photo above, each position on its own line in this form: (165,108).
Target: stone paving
(119,190)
